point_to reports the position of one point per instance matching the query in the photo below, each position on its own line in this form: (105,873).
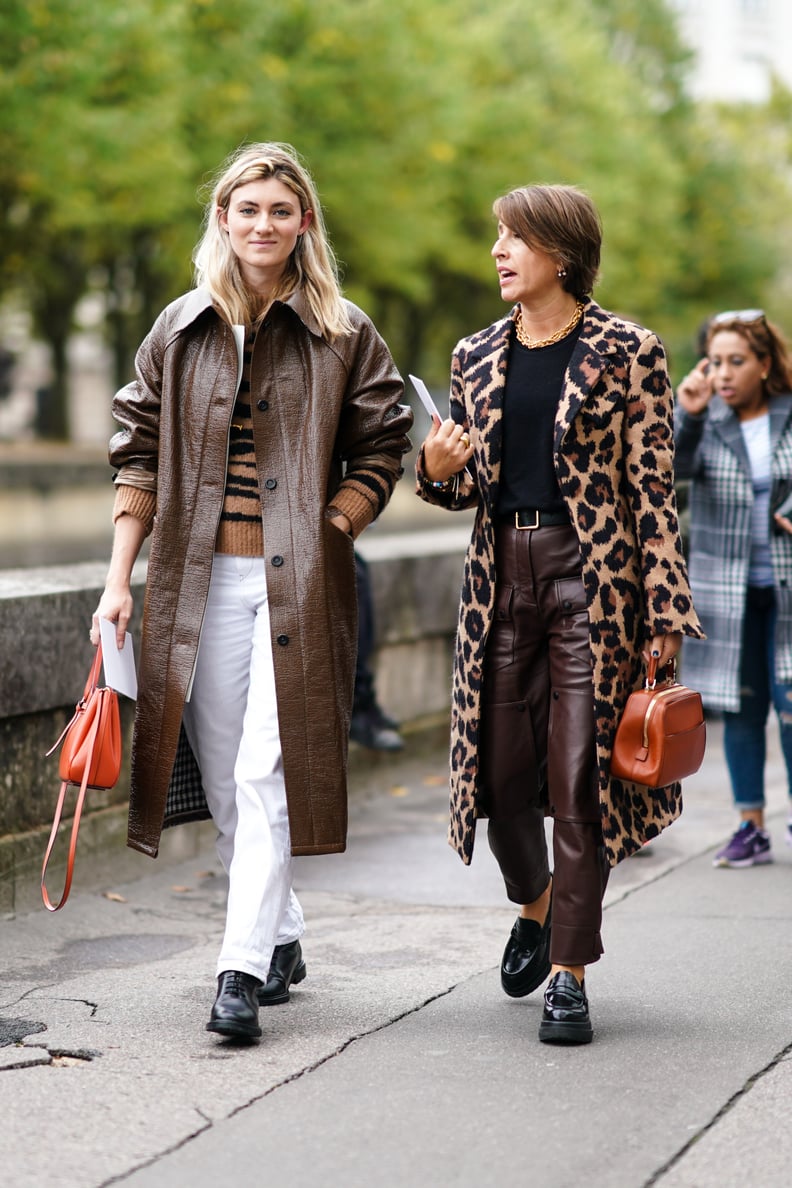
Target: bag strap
(90,687)
(93,676)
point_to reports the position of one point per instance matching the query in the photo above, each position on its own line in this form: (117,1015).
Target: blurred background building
(740,45)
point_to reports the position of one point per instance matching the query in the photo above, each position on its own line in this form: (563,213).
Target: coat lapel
(597,341)
(486,380)
(727,426)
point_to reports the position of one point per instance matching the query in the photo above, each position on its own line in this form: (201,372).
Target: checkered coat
(711,452)
(613,455)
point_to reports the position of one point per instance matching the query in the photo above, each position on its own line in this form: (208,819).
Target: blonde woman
(262,434)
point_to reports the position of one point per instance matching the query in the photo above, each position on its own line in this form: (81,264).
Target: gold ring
(465,439)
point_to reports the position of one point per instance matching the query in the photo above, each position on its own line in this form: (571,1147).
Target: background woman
(734,440)
(560,435)
(262,434)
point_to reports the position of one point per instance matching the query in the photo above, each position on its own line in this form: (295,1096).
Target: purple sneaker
(749,846)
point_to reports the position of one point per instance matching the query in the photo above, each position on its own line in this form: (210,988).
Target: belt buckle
(526,527)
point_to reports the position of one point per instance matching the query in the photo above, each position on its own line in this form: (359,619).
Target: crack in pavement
(725,1109)
(296,1076)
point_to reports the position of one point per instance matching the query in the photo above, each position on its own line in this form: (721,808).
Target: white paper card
(426,399)
(119,667)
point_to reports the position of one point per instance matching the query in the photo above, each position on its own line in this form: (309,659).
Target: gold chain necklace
(533,343)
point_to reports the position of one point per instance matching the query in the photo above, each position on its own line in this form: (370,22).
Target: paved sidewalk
(399,1061)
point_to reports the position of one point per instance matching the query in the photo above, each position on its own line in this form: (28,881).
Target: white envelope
(119,666)
(426,399)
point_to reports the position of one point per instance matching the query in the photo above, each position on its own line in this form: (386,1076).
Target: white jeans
(231,722)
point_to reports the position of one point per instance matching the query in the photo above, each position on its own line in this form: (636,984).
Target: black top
(534,379)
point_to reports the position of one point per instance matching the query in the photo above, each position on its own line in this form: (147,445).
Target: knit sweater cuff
(131,501)
(357,507)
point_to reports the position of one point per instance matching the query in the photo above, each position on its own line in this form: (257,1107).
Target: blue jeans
(744,739)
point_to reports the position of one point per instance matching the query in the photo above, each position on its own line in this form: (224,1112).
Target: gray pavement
(399,1061)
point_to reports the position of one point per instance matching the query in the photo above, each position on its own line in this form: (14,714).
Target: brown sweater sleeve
(132,501)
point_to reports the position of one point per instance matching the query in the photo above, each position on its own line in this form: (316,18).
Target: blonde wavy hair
(311,266)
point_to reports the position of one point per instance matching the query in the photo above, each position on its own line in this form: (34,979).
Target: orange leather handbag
(662,735)
(90,758)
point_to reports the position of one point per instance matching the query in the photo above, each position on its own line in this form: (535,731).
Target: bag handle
(90,687)
(651,672)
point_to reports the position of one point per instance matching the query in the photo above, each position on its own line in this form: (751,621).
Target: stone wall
(45,655)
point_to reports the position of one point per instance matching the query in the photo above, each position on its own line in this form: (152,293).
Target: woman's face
(264,222)
(736,373)
(528,275)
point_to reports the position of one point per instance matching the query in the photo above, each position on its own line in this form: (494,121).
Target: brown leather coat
(328,428)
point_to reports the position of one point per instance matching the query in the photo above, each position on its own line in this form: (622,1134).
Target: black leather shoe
(526,958)
(286,968)
(565,1018)
(235,1012)
(372,729)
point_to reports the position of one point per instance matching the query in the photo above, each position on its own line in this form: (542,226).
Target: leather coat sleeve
(134,450)
(372,431)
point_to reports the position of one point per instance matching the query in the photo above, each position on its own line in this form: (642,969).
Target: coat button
(283,640)
(262,405)
(277,561)
(271,484)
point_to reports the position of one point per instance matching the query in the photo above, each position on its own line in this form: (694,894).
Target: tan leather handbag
(662,735)
(90,758)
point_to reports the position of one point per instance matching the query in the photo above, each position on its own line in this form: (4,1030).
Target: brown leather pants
(537,747)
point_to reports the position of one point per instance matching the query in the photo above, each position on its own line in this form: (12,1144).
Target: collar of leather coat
(199,300)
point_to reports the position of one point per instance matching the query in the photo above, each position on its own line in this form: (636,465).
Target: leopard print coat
(613,451)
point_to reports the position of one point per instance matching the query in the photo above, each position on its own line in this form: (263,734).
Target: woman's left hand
(664,647)
(783,522)
(342,523)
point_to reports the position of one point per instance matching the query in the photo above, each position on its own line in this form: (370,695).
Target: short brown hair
(559,220)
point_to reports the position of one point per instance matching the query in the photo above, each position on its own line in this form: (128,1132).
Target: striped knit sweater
(240,532)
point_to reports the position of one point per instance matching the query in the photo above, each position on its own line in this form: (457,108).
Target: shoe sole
(277,999)
(517,989)
(565,1033)
(233,1030)
(743,863)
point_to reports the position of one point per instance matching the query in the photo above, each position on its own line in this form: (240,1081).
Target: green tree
(412,116)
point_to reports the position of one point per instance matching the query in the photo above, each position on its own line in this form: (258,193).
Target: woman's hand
(695,391)
(116,601)
(342,523)
(664,647)
(115,605)
(446,450)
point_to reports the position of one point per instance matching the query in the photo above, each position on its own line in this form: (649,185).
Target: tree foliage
(413,116)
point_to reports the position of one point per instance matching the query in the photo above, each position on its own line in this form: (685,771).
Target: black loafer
(235,1011)
(565,1018)
(526,958)
(287,968)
